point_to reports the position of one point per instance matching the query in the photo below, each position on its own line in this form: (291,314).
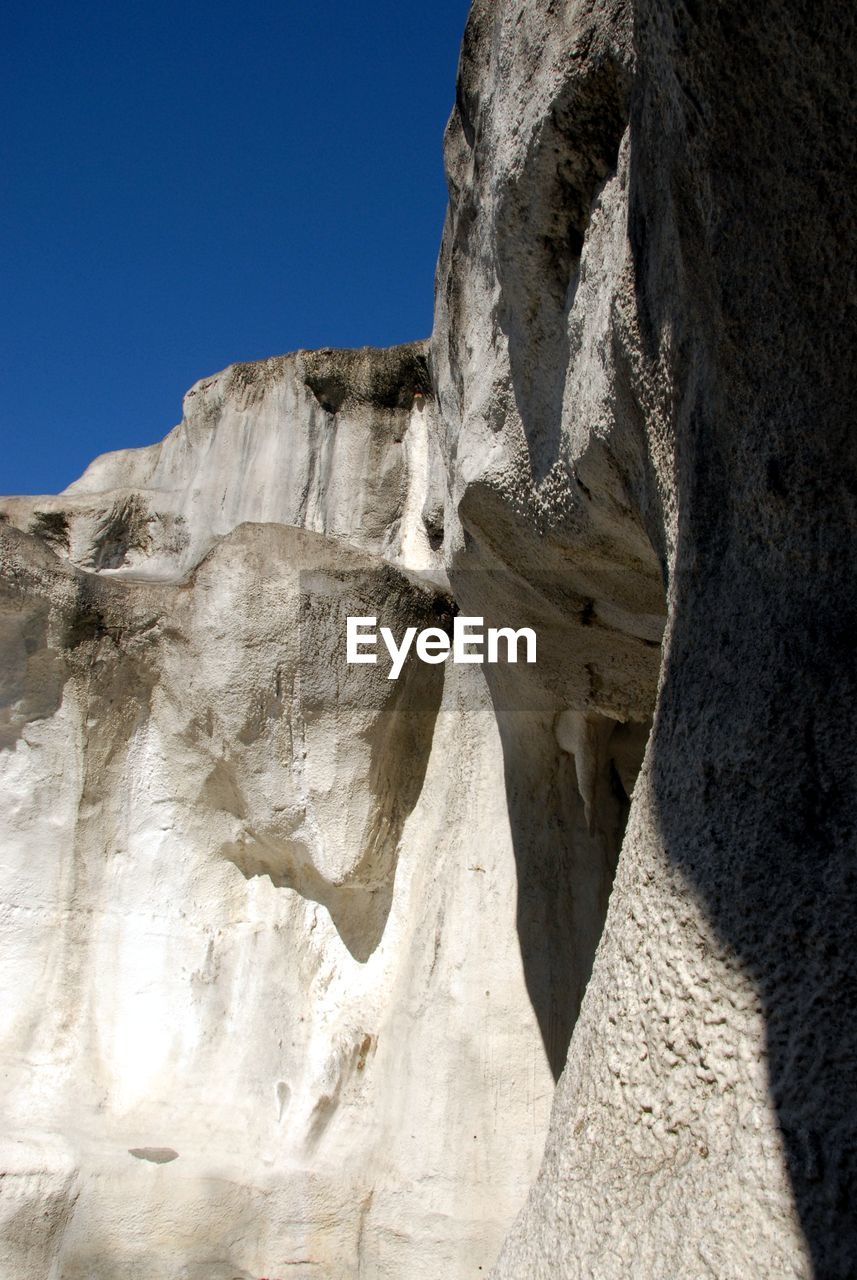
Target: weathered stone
(642,379)
(242,879)
(295,953)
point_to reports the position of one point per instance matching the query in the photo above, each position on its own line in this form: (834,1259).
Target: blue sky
(189,184)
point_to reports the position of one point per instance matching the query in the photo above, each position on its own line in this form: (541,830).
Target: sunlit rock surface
(333,441)
(264,1007)
(294,954)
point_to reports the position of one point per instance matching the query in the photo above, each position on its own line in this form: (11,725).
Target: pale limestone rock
(264,1008)
(333,441)
(293,955)
(640,361)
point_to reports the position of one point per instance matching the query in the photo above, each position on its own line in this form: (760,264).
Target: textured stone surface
(333,441)
(263,1009)
(294,954)
(639,358)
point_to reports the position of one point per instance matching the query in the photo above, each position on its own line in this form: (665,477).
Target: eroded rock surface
(645,399)
(332,441)
(243,1030)
(293,953)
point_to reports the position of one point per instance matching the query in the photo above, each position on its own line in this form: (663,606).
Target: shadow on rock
(743,158)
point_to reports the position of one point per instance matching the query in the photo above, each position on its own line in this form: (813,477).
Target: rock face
(332,441)
(263,1002)
(640,365)
(294,953)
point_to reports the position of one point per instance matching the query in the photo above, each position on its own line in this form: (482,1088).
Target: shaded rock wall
(645,397)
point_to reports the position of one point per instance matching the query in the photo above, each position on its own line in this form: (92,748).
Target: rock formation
(294,953)
(262,983)
(639,355)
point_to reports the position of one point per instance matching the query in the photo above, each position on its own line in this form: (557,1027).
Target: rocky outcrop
(295,953)
(242,881)
(331,441)
(645,399)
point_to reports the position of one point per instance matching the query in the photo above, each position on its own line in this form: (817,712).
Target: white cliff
(261,979)
(332,441)
(294,954)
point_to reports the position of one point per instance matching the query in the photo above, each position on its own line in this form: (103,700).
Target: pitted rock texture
(645,399)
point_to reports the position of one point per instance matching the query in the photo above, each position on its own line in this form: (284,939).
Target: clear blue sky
(188,184)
